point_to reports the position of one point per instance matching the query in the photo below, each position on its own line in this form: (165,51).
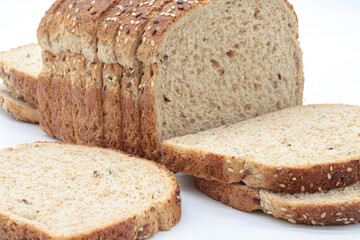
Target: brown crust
(130,112)
(319,214)
(217,167)
(149,142)
(159,217)
(111,75)
(244,198)
(234,195)
(20,110)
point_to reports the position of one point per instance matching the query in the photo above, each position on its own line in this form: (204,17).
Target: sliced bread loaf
(335,207)
(17,108)
(298,149)
(59,191)
(179,74)
(20,68)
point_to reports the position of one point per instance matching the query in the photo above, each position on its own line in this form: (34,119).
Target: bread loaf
(335,207)
(177,67)
(59,191)
(298,149)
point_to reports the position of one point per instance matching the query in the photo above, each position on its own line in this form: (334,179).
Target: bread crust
(17,108)
(211,166)
(234,195)
(244,198)
(161,216)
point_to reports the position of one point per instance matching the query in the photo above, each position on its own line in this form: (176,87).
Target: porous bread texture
(20,68)
(17,108)
(298,149)
(142,37)
(335,207)
(59,191)
(248,65)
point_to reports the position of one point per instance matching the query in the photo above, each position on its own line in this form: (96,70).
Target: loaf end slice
(335,207)
(20,68)
(61,191)
(19,109)
(298,149)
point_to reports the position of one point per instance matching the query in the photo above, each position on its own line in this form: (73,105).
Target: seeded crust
(112,75)
(226,169)
(17,108)
(324,211)
(159,217)
(21,84)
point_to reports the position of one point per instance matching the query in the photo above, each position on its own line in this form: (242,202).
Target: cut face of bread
(240,70)
(299,149)
(20,68)
(58,191)
(335,207)
(19,109)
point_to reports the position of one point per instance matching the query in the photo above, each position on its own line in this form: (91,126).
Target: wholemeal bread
(17,108)
(335,207)
(298,149)
(20,68)
(172,73)
(59,191)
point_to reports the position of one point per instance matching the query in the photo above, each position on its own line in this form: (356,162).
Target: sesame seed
(349,169)
(283,209)
(351,219)
(228,161)
(304,216)
(313,222)
(345,219)
(292,221)
(339,220)
(338,214)
(152,43)
(347,222)
(241,171)
(282,185)
(323,215)
(320,189)
(275,175)
(329,176)
(331,168)
(141,229)
(294,179)
(302,188)
(230,170)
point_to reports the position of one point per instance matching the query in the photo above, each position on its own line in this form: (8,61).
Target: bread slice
(298,149)
(19,109)
(335,207)
(20,68)
(60,191)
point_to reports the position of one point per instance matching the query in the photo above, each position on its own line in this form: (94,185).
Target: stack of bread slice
(20,68)
(300,164)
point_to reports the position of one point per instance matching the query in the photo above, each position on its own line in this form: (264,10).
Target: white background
(330,39)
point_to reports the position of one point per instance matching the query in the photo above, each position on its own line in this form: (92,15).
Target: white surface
(330,37)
